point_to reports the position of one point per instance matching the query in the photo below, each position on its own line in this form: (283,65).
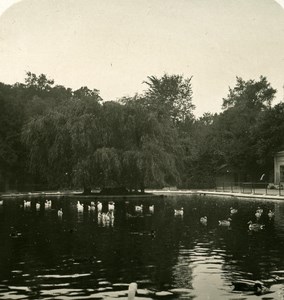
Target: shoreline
(219,194)
(149,193)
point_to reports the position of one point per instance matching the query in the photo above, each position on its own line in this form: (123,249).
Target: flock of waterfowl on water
(105,215)
(108,216)
(255,225)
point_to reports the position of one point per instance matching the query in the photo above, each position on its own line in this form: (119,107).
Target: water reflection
(95,249)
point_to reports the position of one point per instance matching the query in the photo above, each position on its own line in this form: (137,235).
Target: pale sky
(113,45)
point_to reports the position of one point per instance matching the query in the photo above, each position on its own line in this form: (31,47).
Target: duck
(27,203)
(151,208)
(60,212)
(257,215)
(270,214)
(203,220)
(47,204)
(15,234)
(91,207)
(233,211)
(80,207)
(225,223)
(178,212)
(105,219)
(255,286)
(139,208)
(99,206)
(132,289)
(111,206)
(255,226)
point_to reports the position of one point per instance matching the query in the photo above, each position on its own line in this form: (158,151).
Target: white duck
(60,212)
(47,204)
(203,220)
(233,211)
(257,214)
(255,226)
(151,208)
(99,206)
(178,212)
(139,208)
(80,207)
(225,223)
(270,214)
(111,206)
(27,203)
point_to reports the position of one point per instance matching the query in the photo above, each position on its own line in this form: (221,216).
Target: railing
(257,188)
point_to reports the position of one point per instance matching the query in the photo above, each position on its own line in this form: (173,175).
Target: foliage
(244,105)
(65,138)
(170,95)
(250,94)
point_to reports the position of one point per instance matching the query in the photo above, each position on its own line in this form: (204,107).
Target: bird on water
(132,289)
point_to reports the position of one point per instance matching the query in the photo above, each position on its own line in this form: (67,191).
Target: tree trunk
(87,190)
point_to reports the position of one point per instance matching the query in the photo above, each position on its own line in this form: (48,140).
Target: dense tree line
(55,137)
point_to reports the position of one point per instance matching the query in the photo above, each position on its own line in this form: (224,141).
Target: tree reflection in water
(97,252)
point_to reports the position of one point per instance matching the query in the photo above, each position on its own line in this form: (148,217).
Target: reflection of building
(279,167)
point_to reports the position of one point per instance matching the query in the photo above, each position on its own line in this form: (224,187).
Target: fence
(257,188)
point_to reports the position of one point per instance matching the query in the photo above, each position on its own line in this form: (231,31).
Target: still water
(91,254)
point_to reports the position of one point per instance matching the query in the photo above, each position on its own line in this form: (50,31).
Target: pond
(88,253)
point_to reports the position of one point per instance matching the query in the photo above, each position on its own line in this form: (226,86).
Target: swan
(255,226)
(151,208)
(1,202)
(179,212)
(132,289)
(37,206)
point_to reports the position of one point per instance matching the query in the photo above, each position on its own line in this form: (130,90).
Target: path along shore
(256,194)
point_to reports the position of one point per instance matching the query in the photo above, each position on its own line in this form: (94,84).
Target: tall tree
(170,95)
(242,108)
(11,150)
(268,136)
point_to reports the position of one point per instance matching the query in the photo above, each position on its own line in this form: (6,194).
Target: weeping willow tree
(83,142)
(62,141)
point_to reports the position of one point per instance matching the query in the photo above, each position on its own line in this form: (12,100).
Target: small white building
(279,167)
